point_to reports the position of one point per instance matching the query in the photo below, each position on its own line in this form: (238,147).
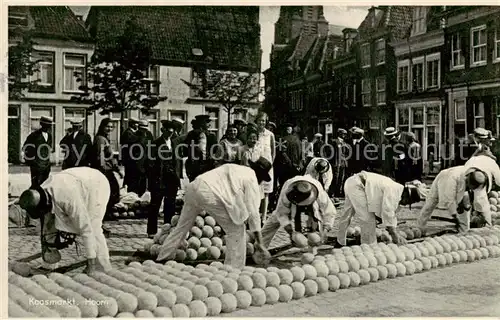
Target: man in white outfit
(450,192)
(73,202)
(231,195)
(297,192)
(370,195)
(321,170)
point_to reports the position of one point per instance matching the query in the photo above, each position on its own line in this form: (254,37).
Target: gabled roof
(229,35)
(55,22)
(398,18)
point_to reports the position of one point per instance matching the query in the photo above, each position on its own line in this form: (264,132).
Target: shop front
(424,120)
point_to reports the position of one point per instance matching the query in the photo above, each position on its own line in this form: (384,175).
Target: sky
(338,15)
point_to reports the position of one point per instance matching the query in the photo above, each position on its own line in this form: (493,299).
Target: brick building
(63,46)
(299,82)
(472,75)
(377,66)
(186,41)
(420,95)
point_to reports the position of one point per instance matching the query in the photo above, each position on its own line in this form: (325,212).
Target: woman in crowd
(103,160)
(229,147)
(266,144)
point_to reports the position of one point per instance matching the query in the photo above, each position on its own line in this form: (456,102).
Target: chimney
(349,36)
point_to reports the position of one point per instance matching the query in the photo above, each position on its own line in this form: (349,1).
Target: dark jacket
(145,138)
(294,149)
(197,163)
(340,152)
(36,141)
(77,148)
(102,155)
(162,167)
(127,139)
(361,157)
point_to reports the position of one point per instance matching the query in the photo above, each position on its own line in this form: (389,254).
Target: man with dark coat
(293,151)
(361,155)
(37,149)
(396,156)
(339,163)
(200,146)
(179,145)
(76,147)
(140,158)
(128,139)
(163,179)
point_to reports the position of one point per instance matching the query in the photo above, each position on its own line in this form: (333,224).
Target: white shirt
(78,196)
(45,135)
(356,141)
(382,195)
(168,142)
(323,207)
(237,188)
(327,177)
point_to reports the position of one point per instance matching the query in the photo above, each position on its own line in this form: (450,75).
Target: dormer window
(419,25)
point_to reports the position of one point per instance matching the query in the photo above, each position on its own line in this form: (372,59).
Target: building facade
(63,46)
(472,73)
(299,83)
(420,99)
(377,66)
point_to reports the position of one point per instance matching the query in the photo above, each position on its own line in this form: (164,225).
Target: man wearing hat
(163,179)
(318,144)
(71,203)
(37,149)
(76,146)
(128,139)
(271,126)
(200,145)
(360,154)
(231,195)
(241,125)
(140,158)
(395,155)
(452,191)
(370,196)
(483,139)
(339,162)
(294,151)
(296,194)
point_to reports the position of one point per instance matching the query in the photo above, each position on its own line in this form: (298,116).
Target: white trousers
(356,204)
(271,226)
(199,198)
(99,210)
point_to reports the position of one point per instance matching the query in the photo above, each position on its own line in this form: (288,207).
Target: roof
(229,35)
(55,22)
(398,18)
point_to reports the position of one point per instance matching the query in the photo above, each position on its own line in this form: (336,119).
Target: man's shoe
(106,232)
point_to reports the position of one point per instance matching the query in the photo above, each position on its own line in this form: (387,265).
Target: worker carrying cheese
(69,203)
(460,189)
(299,192)
(370,196)
(231,195)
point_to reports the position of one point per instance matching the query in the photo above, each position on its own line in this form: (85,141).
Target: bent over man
(74,202)
(370,195)
(231,194)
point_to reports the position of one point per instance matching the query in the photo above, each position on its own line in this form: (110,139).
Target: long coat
(77,148)
(198,162)
(162,173)
(37,150)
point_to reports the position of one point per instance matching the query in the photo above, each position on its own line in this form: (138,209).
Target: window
(460,110)
(72,114)
(153,123)
(74,68)
(45,73)
(36,112)
(380,51)
(380,90)
(374,124)
(496,106)
(478,115)
(419,20)
(478,49)
(154,77)
(114,136)
(365,55)
(182,115)
(214,121)
(433,72)
(403,77)
(417,116)
(417,74)
(365,92)
(497,44)
(457,59)
(17,19)
(403,119)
